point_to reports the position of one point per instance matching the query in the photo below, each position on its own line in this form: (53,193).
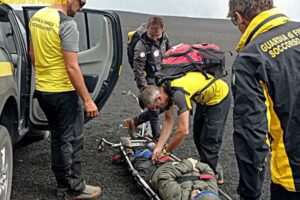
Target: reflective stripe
(280,167)
(265,89)
(6,69)
(120,70)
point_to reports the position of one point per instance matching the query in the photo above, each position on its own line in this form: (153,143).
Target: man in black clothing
(265,85)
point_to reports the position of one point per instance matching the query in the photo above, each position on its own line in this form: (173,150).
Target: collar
(260,24)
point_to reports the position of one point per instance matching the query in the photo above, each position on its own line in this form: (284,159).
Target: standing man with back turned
(53,50)
(266,79)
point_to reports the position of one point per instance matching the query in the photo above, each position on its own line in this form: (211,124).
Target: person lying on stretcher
(174,180)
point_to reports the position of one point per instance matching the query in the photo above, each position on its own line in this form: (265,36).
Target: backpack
(133,38)
(184,58)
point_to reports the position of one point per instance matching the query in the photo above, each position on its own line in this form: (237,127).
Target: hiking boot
(126,142)
(219,174)
(220,178)
(61,191)
(90,193)
(130,124)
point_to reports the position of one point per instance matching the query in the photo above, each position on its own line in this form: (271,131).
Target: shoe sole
(97,197)
(220,182)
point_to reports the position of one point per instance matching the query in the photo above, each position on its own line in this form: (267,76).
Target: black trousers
(153,117)
(208,128)
(279,193)
(64,113)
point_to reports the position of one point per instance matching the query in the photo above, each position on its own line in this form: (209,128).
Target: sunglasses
(234,19)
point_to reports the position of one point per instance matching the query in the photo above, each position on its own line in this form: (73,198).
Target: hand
(91,109)
(194,163)
(129,123)
(157,154)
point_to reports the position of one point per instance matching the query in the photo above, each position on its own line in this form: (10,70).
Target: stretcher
(140,140)
(141,143)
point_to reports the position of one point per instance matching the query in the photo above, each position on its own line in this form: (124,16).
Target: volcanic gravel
(33,179)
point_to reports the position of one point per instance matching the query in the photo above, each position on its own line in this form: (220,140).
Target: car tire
(6,163)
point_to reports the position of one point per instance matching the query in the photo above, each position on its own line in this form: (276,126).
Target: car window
(6,34)
(91,27)
(96,22)
(3,57)
(22,29)
(88,24)
(81,25)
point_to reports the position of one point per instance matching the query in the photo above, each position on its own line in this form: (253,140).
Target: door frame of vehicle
(101,88)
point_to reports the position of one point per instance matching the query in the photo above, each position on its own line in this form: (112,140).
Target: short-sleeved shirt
(52,32)
(184,88)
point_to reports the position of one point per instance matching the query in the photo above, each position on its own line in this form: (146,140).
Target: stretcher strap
(203,177)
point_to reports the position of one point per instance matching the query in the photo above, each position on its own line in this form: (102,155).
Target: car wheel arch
(6,163)
(9,118)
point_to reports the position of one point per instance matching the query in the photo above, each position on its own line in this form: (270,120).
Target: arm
(31,53)
(180,100)
(77,80)
(165,134)
(69,36)
(181,132)
(139,63)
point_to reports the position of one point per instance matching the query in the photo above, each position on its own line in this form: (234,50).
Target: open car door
(100,56)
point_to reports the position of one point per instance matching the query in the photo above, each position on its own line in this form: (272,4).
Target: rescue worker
(147,59)
(212,106)
(53,50)
(266,115)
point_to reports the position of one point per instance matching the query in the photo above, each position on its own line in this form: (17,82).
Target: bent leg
(154,122)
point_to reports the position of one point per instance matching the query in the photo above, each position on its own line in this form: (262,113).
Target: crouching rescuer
(195,81)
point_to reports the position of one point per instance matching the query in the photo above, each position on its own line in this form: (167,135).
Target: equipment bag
(133,38)
(184,58)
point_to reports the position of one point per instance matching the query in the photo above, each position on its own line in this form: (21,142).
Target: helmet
(207,195)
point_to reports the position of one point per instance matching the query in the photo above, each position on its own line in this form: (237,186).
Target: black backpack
(133,38)
(184,58)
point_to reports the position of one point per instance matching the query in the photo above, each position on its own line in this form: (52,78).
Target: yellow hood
(259,19)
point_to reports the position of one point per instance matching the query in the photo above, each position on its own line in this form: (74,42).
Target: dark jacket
(165,180)
(265,84)
(147,58)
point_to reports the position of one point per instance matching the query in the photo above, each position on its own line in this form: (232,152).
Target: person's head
(206,195)
(155,28)
(242,12)
(153,97)
(74,6)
